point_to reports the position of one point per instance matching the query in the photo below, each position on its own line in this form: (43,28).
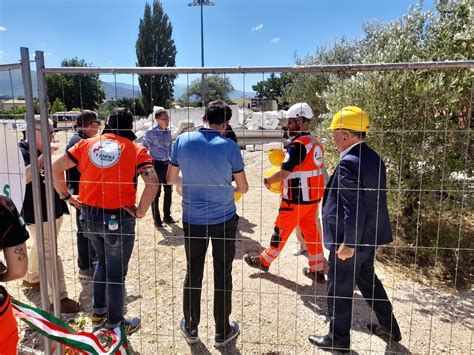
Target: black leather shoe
(384,333)
(326,343)
(158,224)
(314,275)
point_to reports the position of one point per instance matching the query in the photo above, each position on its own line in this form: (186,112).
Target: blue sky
(237,32)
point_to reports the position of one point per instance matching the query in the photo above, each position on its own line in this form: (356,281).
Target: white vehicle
(64,120)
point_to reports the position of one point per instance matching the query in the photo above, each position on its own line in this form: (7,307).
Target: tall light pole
(202,3)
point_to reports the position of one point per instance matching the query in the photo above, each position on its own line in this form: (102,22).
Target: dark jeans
(85,251)
(161,168)
(114,249)
(343,275)
(196,240)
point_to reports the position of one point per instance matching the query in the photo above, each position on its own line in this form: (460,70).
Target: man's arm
(350,195)
(172,176)
(241,182)
(59,165)
(17,262)
(150,179)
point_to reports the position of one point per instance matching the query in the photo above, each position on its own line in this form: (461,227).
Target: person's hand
(265,182)
(131,210)
(344,252)
(74,200)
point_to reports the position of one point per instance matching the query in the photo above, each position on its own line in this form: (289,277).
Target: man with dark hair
(87,125)
(109,166)
(32,276)
(208,162)
(13,236)
(355,222)
(158,142)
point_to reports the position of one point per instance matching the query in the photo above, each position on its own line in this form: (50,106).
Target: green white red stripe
(57,330)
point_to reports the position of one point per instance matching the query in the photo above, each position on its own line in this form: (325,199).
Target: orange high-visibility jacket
(305,183)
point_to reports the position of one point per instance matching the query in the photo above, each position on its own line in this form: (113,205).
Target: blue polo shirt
(158,143)
(207,161)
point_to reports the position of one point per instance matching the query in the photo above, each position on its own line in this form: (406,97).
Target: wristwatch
(64,197)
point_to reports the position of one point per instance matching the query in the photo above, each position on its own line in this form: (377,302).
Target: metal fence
(278,310)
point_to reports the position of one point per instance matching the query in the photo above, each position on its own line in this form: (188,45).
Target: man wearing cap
(158,142)
(302,174)
(87,125)
(355,222)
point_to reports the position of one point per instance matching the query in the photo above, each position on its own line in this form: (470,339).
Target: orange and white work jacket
(305,183)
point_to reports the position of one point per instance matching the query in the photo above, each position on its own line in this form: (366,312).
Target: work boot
(131,325)
(255,262)
(67,306)
(314,275)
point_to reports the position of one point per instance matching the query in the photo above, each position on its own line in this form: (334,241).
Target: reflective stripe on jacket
(305,183)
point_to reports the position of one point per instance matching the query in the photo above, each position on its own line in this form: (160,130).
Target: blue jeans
(113,249)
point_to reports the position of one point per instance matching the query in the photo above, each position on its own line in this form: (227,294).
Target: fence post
(51,210)
(31,136)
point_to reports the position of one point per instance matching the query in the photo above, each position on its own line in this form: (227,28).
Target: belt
(162,161)
(99,210)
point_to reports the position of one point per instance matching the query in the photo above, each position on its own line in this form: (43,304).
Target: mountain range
(11,84)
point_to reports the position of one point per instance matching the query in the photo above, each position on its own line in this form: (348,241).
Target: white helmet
(300,109)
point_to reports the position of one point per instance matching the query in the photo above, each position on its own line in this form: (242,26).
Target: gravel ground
(276,310)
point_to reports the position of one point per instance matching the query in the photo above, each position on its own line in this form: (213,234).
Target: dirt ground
(276,310)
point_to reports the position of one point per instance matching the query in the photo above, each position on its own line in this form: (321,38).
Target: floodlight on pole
(202,3)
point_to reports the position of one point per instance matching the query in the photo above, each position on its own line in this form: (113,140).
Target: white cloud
(48,54)
(257,28)
(3,54)
(275,40)
(2,29)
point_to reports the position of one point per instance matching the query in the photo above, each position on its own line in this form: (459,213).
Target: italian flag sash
(84,342)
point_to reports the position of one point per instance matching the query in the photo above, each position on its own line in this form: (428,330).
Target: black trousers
(161,168)
(343,275)
(196,240)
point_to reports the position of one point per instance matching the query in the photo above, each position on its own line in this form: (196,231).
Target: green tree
(134,105)
(84,91)
(420,124)
(155,48)
(216,88)
(57,106)
(273,88)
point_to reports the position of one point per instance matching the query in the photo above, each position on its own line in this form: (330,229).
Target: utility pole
(202,3)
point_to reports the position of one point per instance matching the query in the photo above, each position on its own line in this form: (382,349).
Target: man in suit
(355,222)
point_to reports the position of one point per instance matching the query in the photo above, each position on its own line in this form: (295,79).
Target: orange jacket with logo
(305,183)
(109,166)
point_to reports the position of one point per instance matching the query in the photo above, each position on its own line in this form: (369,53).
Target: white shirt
(347,150)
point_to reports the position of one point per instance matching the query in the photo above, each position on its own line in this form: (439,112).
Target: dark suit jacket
(355,201)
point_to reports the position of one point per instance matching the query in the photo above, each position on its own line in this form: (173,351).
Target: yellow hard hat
(276,186)
(237,196)
(352,118)
(276,156)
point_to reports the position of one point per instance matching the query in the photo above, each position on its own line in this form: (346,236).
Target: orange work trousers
(289,216)
(9,333)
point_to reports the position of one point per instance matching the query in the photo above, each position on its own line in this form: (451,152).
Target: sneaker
(86,273)
(33,285)
(255,262)
(169,220)
(131,325)
(314,275)
(98,320)
(191,336)
(233,333)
